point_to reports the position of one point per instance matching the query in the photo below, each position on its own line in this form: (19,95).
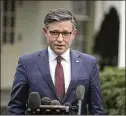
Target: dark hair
(59,15)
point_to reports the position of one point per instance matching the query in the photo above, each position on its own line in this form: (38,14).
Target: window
(81,13)
(9,8)
(80,7)
(79,42)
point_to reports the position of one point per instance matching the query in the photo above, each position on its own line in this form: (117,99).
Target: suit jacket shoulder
(86,58)
(32,57)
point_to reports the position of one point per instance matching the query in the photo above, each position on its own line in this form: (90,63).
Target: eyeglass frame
(58,34)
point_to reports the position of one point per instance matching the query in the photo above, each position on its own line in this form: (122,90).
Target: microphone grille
(55,102)
(34,100)
(46,101)
(80,92)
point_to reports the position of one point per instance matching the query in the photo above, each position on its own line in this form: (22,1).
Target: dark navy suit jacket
(33,75)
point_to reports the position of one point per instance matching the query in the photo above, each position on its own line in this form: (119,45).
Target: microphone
(34,102)
(80,91)
(46,101)
(55,102)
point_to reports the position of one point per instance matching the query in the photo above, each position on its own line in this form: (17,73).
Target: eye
(54,33)
(66,33)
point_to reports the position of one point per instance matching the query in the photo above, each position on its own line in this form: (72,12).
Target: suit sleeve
(19,94)
(95,101)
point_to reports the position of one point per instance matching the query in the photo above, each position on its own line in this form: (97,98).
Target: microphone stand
(79,107)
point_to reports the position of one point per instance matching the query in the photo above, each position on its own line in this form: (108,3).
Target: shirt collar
(52,55)
(66,55)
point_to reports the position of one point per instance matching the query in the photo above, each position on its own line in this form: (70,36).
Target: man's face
(60,35)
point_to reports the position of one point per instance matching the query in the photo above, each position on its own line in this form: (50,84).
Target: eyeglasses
(55,34)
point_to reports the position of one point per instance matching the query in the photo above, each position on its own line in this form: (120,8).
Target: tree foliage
(113,91)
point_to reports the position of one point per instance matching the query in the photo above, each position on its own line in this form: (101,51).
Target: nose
(60,38)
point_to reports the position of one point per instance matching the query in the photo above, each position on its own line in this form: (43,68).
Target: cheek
(50,40)
(69,41)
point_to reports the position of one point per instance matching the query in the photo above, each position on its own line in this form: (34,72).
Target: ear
(75,32)
(45,31)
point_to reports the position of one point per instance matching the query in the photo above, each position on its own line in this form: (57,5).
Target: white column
(98,17)
(121,54)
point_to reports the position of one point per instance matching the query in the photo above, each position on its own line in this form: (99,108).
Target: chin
(59,52)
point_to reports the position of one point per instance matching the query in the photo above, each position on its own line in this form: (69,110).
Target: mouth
(59,45)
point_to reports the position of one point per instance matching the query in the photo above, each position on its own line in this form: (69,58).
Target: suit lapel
(75,67)
(43,63)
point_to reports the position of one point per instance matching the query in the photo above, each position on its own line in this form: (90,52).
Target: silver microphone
(80,91)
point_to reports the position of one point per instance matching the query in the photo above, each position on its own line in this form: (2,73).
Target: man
(57,71)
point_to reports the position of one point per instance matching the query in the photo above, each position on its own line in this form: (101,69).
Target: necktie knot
(59,59)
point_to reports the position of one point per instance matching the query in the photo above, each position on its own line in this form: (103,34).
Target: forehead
(62,25)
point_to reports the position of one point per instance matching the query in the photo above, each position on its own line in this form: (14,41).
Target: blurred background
(101,26)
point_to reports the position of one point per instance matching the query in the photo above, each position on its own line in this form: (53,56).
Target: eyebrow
(60,31)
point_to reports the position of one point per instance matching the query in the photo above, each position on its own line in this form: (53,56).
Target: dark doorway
(107,39)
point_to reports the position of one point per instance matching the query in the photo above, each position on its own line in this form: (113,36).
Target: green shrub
(113,90)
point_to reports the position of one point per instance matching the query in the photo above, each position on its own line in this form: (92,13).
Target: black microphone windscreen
(80,91)
(46,101)
(34,100)
(55,102)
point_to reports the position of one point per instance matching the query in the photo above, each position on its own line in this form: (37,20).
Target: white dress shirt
(66,63)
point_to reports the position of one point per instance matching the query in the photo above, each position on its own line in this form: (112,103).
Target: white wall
(26,26)
(99,13)
(121,57)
